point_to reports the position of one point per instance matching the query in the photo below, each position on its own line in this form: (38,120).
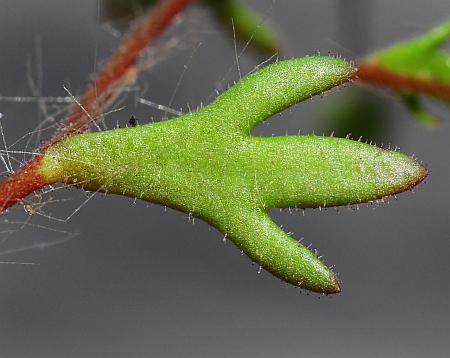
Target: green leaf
(412,68)
(420,58)
(208,165)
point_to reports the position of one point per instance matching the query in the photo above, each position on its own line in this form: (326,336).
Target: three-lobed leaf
(207,164)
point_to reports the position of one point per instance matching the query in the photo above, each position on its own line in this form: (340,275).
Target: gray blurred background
(139,281)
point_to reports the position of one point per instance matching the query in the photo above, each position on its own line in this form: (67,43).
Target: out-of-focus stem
(375,75)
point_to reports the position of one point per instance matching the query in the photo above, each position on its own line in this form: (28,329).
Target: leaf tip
(336,287)
(413,173)
(400,172)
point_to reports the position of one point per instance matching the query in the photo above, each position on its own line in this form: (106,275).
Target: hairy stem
(121,69)
(118,72)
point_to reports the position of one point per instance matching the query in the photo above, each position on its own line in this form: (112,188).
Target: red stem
(118,72)
(378,76)
(23,182)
